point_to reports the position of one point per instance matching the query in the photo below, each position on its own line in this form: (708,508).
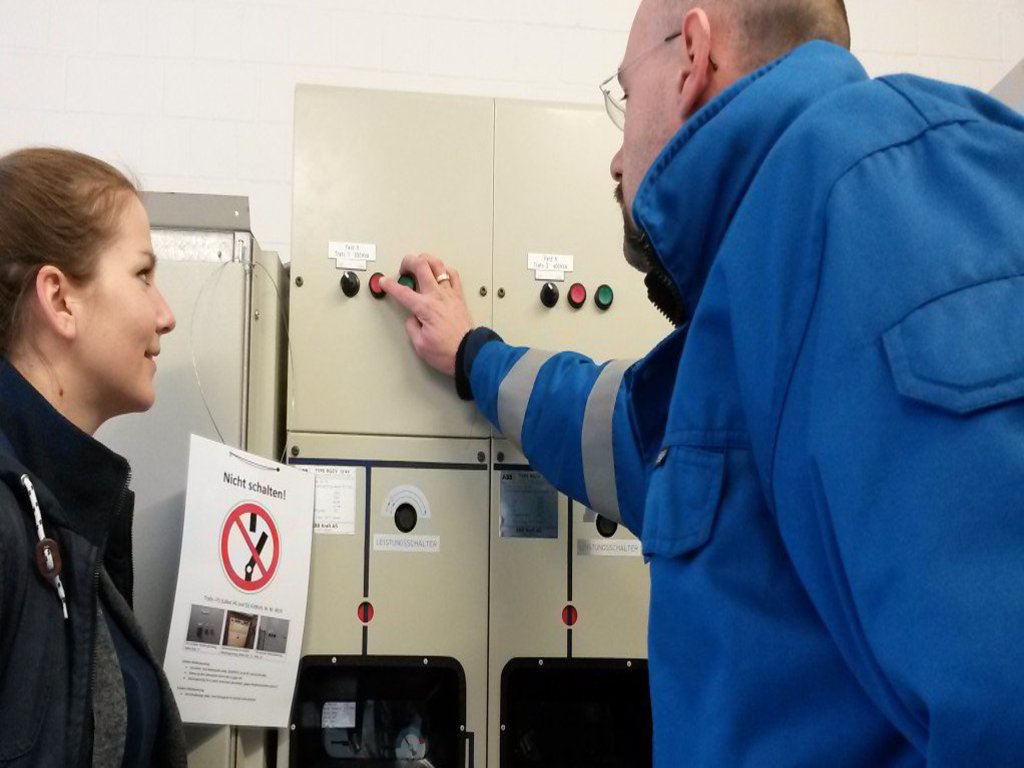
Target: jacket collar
(692,190)
(88,481)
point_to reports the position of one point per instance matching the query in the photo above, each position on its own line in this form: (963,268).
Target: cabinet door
(382,175)
(553,196)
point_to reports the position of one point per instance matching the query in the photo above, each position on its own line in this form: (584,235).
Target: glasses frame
(615,108)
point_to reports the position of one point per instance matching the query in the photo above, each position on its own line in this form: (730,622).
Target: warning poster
(240,604)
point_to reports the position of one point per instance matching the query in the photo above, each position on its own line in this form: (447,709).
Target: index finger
(420,267)
(407,297)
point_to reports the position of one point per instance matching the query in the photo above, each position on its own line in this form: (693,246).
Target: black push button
(606,527)
(405,517)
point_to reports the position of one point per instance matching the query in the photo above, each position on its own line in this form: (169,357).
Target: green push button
(408,281)
(604,297)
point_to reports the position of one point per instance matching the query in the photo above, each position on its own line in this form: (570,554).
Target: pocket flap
(963,351)
(682,499)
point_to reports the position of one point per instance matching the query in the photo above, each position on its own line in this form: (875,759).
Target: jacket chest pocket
(964,351)
(683,498)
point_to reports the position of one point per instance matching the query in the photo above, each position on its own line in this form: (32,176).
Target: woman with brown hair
(80,325)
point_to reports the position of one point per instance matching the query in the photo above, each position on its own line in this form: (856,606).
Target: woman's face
(121,317)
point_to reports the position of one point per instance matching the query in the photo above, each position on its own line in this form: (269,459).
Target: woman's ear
(54,305)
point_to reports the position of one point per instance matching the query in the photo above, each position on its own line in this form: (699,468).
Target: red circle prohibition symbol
(255,574)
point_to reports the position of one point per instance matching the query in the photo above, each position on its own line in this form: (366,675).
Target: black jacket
(46,662)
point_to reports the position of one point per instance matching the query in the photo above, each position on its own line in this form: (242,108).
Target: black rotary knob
(549,295)
(350,284)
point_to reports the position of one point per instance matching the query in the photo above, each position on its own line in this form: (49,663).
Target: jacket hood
(692,190)
(87,480)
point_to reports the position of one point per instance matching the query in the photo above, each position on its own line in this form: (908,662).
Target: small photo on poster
(239,630)
(273,635)
(204,625)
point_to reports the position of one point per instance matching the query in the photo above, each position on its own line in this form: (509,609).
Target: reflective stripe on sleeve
(514,394)
(596,441)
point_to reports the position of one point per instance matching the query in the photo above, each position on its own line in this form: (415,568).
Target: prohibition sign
(243,553)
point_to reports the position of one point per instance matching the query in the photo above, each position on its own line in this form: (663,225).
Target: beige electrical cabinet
(1010,89)
(553,197)
(382,175)
(408,579)
(462,578)
(567,589)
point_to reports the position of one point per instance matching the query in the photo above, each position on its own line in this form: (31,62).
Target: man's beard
(635,246)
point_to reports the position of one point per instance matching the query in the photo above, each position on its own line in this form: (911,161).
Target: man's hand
(439,317)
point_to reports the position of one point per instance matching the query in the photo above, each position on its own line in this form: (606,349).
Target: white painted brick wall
(197,95)
(114,85)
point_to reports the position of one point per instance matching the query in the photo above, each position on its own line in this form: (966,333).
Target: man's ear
(695,77)
(54,305)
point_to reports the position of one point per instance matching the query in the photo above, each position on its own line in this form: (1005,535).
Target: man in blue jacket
(824,460)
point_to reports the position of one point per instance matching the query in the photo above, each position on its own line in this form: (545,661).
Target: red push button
(375,290)
(365,612)
(569,615)
(577,295)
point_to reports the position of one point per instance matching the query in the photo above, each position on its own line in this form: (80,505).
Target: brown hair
(772,28)
(57,207)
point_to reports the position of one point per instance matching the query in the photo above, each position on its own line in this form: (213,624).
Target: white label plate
(529,506)
(556,262)
(338,714)
(351,255)
(549,275)
(396,542)
(335,501)
(608,548)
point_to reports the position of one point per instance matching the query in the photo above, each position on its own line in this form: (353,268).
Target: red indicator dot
(569,615)
(365,612)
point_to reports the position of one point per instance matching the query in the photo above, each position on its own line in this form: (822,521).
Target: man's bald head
(719,41)
(760,31)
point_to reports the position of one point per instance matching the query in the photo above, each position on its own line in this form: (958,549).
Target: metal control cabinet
(403,174)
(553,196)
(410,580)
(1010,90)
(577,591)
(498,190)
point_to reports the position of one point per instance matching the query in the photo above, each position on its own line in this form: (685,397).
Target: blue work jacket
(825,463)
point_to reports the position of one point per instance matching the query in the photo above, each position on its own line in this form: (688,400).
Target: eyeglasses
(615,97)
